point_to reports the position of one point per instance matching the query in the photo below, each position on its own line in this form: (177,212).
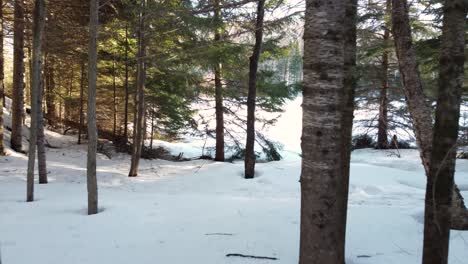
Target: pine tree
(2,83)
(329,61)
(419,109)
(252,94)
(92,128)
(38,30)
(440,181)
(18,74)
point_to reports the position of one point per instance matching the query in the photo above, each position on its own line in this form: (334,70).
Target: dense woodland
(126,72)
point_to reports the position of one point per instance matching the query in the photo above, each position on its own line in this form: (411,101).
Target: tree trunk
(2,76)
(152,128)
(50,91)
(350,81)
(81,101)
(141,77)
(219,156)
(18,74)
(252,94)
(418,105)
(437,219)
(114,109)
(326,107)
(125,135)
(382,135)
(92,128)
(38,31)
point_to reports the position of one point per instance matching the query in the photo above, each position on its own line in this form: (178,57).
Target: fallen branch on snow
(249,256)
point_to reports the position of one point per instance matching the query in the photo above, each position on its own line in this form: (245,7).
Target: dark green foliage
(362,141)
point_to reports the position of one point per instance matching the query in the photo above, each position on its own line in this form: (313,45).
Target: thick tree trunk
(324,163)
(141,77)
(437,219)
(219,155)
(127,92)
(2,85)
(418,105)
(38,31)
(18,80)
(92,128)
(350,81)
(382,135)
(81,101)
(252,94)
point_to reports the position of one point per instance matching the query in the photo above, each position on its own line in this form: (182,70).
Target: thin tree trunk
(326,106)
(50,91)
(38,31)
(68,107)
(152,128)
(382,135)
(125,135)
(252,94)
(92,128)
(114,110)
(219,155)
(141,77)
(418,105)
(41,150)
(440,181)
(2,85)
(81,101)
(18,81)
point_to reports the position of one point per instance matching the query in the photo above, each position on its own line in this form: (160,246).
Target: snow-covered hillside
(200,211)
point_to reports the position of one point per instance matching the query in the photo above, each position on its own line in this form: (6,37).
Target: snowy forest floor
(200,211)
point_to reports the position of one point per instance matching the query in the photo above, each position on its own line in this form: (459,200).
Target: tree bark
(2,77)
(81,101)
(382,134)
(350,82)
(141,77)
(114,108)
(18,75)
(440,181)
(125,135)
(92,128)
(219,155)
(252,94)
(418,105)
(326,105)
(38,31)
(50,91)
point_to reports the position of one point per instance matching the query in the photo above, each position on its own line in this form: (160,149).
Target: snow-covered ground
(199,211)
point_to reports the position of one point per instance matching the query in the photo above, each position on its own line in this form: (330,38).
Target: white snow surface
(199,211)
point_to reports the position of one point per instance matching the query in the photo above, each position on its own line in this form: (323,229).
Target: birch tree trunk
(418,105)
(328,65)
(18,77)
(252,94)
(92,128)
(440,181)
(2,77)
(141,77)
(38,31)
